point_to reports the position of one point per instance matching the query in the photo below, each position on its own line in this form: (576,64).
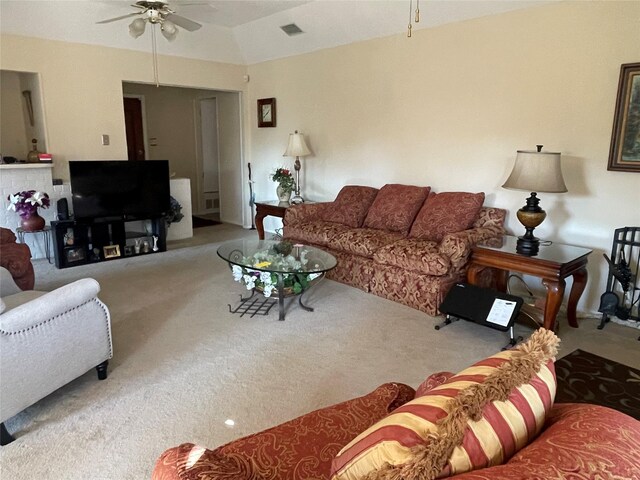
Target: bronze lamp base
(531,215)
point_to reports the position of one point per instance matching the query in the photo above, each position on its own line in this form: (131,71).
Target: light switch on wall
(105,139)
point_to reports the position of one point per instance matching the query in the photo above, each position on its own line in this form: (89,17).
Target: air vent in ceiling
(291,29)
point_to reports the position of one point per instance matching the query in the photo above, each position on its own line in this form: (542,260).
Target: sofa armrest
(16,257)
(48,306)
(457,246)
(304,212)
(578,441)
(300,448)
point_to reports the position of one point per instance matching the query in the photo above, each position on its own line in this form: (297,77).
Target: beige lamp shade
(297,147)
(536,172)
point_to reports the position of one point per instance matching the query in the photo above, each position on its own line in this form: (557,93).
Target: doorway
(172,125)
(209,201)
(134,125)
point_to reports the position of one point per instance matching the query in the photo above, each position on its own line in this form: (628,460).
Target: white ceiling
(242,31)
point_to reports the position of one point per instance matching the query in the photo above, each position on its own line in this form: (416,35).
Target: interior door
(135,132)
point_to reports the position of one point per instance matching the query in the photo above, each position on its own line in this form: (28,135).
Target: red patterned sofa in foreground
(401,242)
(493,420)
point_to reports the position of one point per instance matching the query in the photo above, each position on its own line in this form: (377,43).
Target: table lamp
(297,147)
(534,171)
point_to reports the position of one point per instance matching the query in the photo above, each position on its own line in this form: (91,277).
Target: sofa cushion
(351,205)
(477,418)
(17,299)
(446,212)
(434,380)
(317,233)
(363,241)
(414,255)
(395,207)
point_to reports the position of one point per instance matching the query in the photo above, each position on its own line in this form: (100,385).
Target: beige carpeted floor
(183,364)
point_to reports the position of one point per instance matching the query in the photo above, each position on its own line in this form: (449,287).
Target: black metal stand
(513,340)
(255,307)
(622,297)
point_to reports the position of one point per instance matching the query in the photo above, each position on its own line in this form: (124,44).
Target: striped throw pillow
(477,418)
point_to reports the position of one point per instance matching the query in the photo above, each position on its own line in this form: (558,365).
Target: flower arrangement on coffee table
(265,281)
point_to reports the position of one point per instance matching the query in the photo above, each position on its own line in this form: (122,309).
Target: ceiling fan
(157,13)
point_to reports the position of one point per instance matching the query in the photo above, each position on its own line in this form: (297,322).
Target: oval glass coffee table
(276,268)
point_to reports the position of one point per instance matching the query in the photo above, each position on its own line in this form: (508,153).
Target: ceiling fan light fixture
(136,28)
(169,30)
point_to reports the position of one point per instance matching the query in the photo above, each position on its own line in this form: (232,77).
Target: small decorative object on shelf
(286,185)
(26,205)
(267,282)
(33,155)
(155,243)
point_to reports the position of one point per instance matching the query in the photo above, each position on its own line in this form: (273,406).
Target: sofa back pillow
(446,212)
(351,205)
(395,207)
(475,419)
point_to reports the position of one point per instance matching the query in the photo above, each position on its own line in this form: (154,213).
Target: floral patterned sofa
(579,441)
(401,242)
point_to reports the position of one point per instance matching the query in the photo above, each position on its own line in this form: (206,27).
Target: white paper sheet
(501,312)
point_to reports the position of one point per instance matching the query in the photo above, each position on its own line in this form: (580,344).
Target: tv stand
(79,242)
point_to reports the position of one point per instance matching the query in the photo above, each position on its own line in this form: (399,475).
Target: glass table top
(276,256)
(555,252)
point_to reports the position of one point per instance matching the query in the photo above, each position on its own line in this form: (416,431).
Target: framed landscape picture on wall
(624,154)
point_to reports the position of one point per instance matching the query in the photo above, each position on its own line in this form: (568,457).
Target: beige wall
(172,119)
(82,90)
(450,107)
(13,135)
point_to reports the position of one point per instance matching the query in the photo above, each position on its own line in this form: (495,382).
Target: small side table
(265,209)
(46,233)
(553,264)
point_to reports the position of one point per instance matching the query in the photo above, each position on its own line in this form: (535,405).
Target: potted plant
(26,205)
(286,184)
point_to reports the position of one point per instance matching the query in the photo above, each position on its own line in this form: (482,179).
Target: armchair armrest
(304,212)
(300,448)
(49,305)
(457,246)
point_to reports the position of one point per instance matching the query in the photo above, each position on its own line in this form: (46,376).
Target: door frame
(143,107)
(199,153)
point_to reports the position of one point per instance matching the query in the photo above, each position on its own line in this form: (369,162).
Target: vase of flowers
(286,184)
(26,205)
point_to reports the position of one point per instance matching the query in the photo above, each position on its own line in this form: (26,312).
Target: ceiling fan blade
(119,18)
(185,23)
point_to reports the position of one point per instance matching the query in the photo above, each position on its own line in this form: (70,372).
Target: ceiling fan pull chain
(155,55)
(417,11)
(410,17)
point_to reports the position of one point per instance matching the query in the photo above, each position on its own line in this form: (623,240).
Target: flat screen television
(122,189)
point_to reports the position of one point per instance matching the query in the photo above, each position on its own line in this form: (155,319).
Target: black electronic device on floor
(483,306)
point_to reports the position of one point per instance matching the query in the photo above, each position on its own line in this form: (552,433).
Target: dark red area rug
(587,378)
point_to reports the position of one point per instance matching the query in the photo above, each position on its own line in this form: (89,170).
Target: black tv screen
(123,189)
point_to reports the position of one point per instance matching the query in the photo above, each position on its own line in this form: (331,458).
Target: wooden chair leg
(102,370)
(5,437)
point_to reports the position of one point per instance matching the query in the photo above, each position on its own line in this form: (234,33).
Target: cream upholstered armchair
(48,339)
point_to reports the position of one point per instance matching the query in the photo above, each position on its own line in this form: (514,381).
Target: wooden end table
(552,264)
(265,209)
